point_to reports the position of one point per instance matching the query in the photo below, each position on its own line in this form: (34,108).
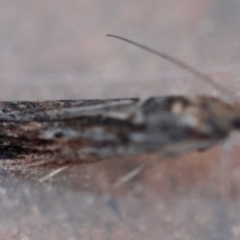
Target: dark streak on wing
(57,110)
(75,131)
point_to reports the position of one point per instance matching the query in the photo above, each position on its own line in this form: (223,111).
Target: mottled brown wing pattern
(56,133)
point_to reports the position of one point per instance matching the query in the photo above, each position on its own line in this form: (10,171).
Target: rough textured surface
(58,50)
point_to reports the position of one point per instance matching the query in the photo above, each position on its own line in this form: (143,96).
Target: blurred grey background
(59,50)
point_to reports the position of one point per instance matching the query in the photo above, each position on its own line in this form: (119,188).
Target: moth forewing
(83,132)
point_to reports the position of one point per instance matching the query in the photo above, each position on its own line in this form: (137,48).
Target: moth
(66,132)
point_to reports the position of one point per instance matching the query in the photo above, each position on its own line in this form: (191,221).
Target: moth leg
(126,178)
(168,152)
(52,174)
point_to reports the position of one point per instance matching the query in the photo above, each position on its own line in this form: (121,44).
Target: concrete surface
(58,50)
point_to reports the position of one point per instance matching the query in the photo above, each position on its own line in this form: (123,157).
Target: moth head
(236,118)
(236,123)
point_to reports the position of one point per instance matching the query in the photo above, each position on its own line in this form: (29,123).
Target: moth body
(54,133)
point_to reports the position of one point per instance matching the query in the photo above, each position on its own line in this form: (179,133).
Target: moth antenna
(180,64)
